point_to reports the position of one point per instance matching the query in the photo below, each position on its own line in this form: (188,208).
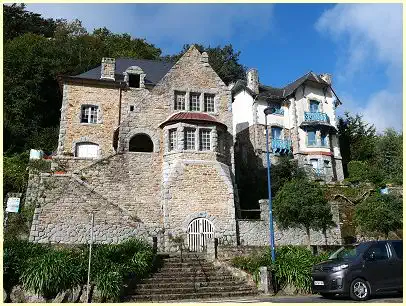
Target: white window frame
(194,102)
(180,102)
(92,113)
(208,109)
(204,139)
(172,140)
(189,132)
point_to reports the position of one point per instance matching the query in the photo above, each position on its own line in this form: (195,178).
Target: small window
(89,114)
(323,139)
(326,164)
(190,141)
(209,103)
(314,106)
(194,102)
(131,108)
(180,101)
(134,80)
(311,138)
(315,163)
(87,150)
(276,133)
(172,140)
(398,246)
(379,251)
(204,140)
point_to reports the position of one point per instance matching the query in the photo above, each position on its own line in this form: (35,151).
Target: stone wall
(256,232)
(64,214)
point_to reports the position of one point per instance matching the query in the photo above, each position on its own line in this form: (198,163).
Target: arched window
(87,150)
(141,143)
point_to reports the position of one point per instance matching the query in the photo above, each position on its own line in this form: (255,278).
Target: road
(387,298)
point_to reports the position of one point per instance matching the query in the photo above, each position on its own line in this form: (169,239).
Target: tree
(18,21)
(15,173)
(284,171)
(224,60)
(357,139)
(380,213)
(301,202)
(389,155)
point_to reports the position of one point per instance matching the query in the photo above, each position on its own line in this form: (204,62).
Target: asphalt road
(386,298)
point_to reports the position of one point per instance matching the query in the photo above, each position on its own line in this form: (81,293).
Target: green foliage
(389,156)
(50,270)
(380,213)
(15,174)
(51,273)
(357,171)
(15,256)
(18,21)
(224,60)
(40,165)
(292,266)
(284,171)
(302,203)
(109,282)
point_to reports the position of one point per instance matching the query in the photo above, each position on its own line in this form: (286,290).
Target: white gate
(199,230)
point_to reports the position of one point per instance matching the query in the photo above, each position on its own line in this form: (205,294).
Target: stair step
(187,264)
(178,290)
(185,274)
(171,280)
(175,270)
(189,284)
(180,296)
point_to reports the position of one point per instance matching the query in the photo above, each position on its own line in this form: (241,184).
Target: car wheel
(328,295)
(359,290)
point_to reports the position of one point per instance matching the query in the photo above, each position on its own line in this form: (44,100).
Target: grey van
(361,270)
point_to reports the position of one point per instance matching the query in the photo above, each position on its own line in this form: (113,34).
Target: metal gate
(199,230)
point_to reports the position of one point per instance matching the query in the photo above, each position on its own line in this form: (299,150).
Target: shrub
(51,273)
(109,282)
(292,266)
(357,171)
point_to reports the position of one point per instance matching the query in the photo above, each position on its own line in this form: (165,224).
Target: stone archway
(141,143)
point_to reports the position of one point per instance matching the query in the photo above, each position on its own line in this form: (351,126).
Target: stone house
(148,148)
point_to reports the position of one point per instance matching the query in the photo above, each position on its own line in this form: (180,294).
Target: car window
(379,250)
(398,246)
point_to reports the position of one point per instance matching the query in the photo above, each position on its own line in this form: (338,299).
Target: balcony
(281,145)
(316,116)
(277,111)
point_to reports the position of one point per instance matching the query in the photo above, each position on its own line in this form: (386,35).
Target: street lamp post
(267,111)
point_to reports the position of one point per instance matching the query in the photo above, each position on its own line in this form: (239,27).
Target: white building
(303,123)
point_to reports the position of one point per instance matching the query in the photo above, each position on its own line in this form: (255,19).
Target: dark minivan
(361,270)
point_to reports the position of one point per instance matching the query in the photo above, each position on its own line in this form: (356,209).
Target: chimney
(253,80)
(108,68)
(205,57)
(326,77)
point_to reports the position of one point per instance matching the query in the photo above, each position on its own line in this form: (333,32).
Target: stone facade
(156,193)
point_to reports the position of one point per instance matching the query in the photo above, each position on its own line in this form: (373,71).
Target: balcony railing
(277,111)
(281,145)
(317,116)
(319,172)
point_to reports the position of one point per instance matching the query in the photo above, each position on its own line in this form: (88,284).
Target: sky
(359,44)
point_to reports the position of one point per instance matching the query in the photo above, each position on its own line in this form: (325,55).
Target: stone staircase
(191,277)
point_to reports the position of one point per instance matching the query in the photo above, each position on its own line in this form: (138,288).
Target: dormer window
(134,80)
(89,114)
(314,106)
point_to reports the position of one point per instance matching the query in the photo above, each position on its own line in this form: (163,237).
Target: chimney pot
(253,80)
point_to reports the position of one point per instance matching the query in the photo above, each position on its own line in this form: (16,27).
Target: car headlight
(340,267)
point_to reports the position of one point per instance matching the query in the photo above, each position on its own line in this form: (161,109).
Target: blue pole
(271,232)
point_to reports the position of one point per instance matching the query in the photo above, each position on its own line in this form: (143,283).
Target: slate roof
(191,116)
(269,92)
(155,70)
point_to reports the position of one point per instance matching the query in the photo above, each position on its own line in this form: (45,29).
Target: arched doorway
(199,231)
(141,143)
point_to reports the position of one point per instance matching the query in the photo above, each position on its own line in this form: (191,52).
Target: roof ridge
(150,60)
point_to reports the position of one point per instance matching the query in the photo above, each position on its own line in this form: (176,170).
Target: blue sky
(359,44)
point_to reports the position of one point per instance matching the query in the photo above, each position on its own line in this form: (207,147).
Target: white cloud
(171,25)
(369,37)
